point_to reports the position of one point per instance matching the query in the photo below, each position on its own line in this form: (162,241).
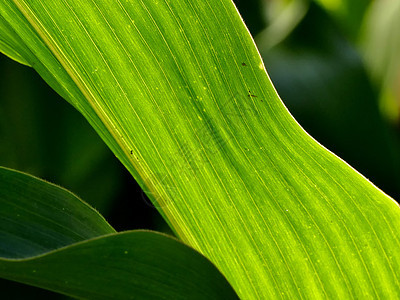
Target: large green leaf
(178,91)
(51,239)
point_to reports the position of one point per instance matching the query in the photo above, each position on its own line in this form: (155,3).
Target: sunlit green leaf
(178,91)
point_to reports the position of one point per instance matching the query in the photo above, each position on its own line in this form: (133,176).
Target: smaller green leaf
(50,238)
(129,265)
(37,217)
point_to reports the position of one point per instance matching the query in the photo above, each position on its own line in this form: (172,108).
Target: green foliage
(37,217)
(179,93)
(51,239)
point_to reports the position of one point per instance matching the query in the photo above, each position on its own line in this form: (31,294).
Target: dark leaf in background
(52,239)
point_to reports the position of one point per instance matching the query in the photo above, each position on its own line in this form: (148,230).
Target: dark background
(316,66)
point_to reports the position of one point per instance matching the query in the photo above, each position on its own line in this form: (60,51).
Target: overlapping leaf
(51,239)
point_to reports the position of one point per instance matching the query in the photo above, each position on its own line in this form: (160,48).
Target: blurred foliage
(310,51)
(380,43)
(348,13)
(282,16)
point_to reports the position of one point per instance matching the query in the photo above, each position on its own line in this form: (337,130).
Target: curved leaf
(178,91)
(128,265)
(37,217)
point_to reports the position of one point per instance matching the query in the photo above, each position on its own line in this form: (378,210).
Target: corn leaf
(178,91)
